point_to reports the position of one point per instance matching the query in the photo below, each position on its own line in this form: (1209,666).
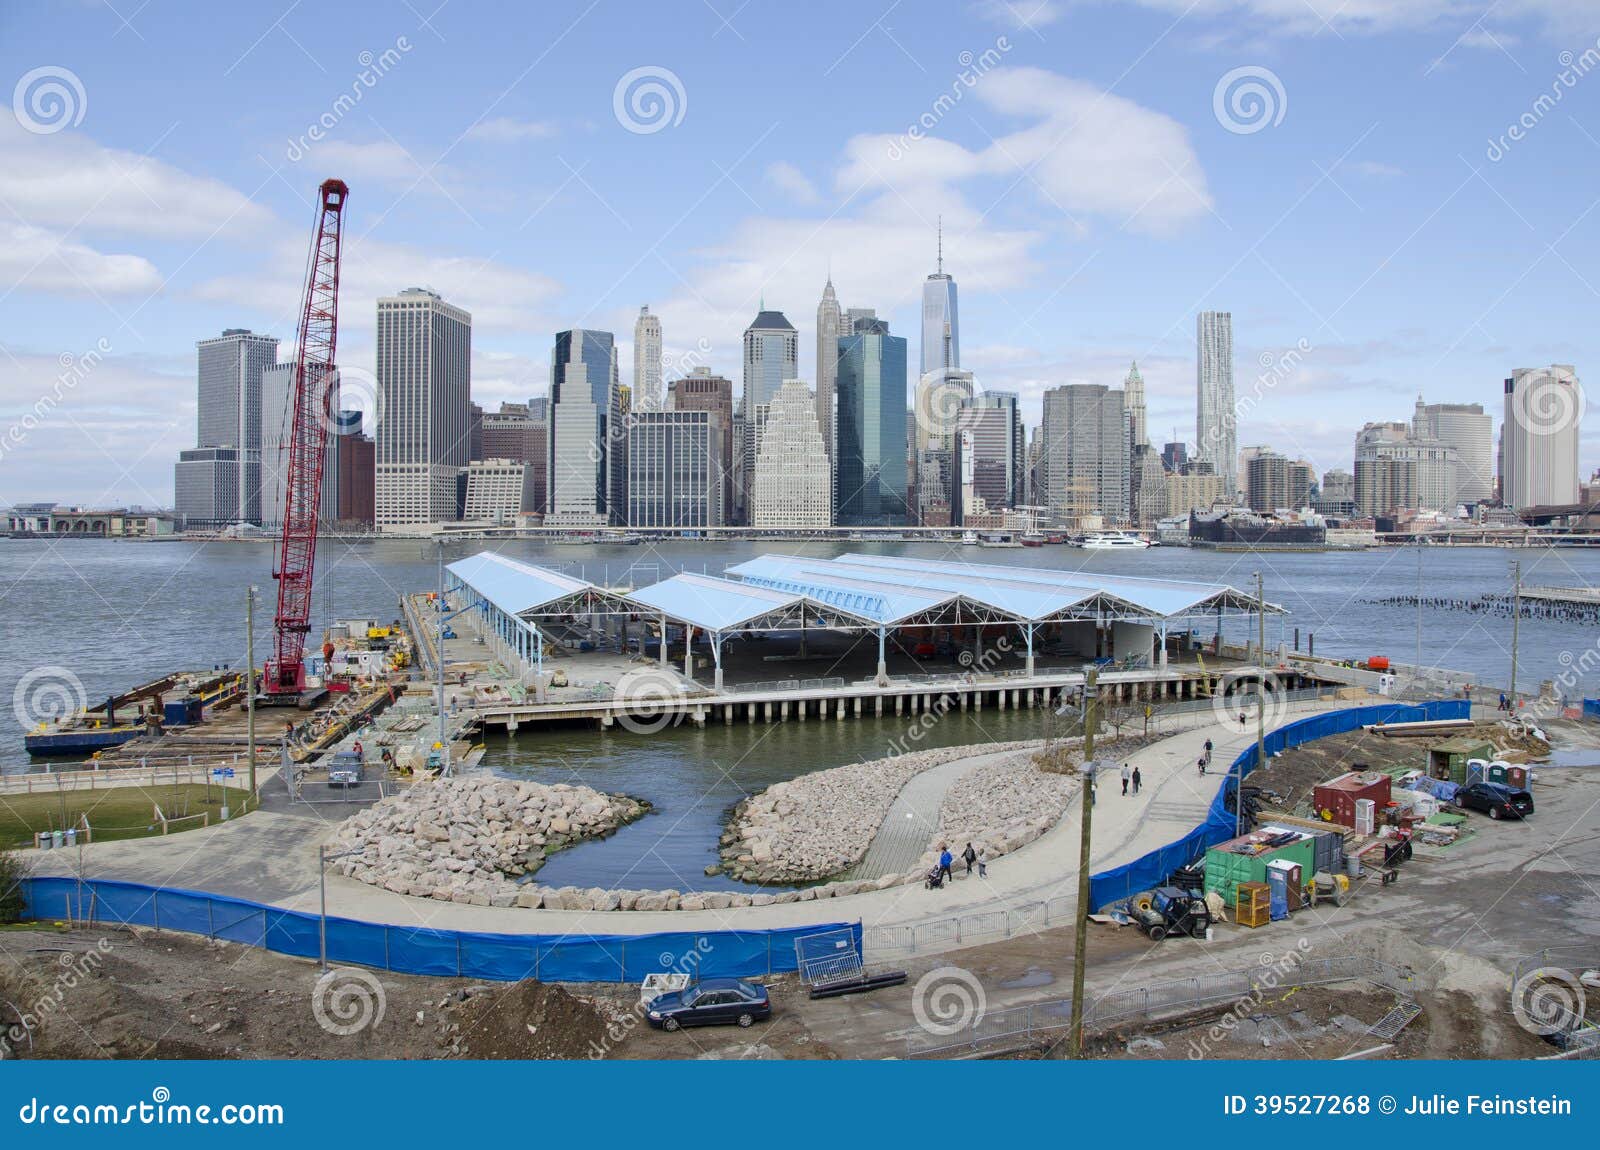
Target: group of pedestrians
(1131,776)
(970,856)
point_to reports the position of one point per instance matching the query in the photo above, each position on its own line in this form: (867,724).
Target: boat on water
(1033,539)
(1056,537)
(1000,541)
(969,539)
(1113,541)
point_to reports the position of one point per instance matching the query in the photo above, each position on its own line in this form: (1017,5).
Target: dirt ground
(1295,773)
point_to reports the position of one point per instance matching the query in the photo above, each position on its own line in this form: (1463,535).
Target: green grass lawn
(114,812)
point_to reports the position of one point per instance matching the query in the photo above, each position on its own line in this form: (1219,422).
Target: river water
(110,615)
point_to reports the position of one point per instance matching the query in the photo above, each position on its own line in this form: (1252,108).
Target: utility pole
(1261,708)
(1417,671)
(1080,942)
(1516,618)
(444,737)
(250,682)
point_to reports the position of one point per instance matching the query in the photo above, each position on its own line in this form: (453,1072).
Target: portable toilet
(1477,771)
(1518,777)
(1497,771)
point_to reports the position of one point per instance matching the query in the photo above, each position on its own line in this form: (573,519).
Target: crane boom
(307,446)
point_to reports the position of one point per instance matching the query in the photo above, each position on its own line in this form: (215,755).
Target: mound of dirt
(530,1020)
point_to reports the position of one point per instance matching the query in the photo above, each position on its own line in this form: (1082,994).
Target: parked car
(344,769)
(1496,800)
(713,1002)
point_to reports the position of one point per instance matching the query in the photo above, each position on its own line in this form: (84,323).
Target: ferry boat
(969,539)
(1113,541)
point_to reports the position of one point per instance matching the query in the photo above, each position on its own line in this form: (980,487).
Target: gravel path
(914,818)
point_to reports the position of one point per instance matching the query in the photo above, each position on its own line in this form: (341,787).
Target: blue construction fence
(421,950)
(1152,870)
(1591,710)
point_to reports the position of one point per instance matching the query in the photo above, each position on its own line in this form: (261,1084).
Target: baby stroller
(935,879)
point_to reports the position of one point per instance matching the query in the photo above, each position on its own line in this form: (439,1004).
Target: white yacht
(1113,541)
(969,539)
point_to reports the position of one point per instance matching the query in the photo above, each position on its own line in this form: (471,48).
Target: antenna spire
(941,244)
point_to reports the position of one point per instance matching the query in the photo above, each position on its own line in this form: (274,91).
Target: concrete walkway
(912,822)
(273,859)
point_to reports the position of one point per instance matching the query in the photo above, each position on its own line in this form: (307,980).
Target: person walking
(945,859)
(1201,763)
(983,867)
(969,856)
(1127,777)
(1136,780)
(1241,720)
(1208,752)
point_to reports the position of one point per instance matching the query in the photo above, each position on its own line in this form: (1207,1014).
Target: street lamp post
(1080,942)
(250,681)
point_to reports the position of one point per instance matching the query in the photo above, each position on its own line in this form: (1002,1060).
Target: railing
(775,685)
(1039,1021)
(40,782)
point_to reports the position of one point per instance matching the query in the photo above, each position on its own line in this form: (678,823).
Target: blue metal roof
(859,593)
(1161,598)
(512,586)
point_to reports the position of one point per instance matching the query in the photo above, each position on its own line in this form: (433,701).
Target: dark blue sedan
(714,1002)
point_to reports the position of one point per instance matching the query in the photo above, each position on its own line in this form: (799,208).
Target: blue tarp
(1151,870)
(420,950)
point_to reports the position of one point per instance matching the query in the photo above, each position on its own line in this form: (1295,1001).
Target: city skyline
(1058,274)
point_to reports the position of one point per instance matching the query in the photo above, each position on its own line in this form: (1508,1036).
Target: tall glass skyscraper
(941,332)
(1216,422)
(588,456)
(872,427)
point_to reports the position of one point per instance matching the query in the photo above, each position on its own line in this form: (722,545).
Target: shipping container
(1335,801)
(1244,860)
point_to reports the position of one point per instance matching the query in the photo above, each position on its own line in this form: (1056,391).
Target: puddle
(1034,976)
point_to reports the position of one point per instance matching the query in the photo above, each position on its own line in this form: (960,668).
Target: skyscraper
(941,333)
(675,469)
(792,487)
(277,413)
(424,432)
(1470,430)
(1084,456)
(830,326)
(1544,407)
(587,485)
(228,415)
(647,362)
(1216,422)
(992,423)
(872,427)
(704,390)
(771,355)
(1133,390)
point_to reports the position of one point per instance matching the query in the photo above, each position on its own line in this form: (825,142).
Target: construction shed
(1335,800)
(1245,859)
(1448,760)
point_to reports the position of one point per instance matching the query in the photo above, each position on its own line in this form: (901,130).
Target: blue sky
(1377,217)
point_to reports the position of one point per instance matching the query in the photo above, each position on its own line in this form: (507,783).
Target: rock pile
(468,839)
(1000,807)
(821,824)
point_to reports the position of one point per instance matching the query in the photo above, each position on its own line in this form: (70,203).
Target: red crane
(307,448)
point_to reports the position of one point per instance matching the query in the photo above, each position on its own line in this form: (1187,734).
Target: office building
(495,492)
(704,390)
(1216,420)
(1395,470)
(206,487)
(675,469)
(1084,459)
(830,326)
(1337,498)
(872,427)
(1133,391)
(647,365)
(587,473)
(277,415)
(228,415)
(1470,430)
(941,332)
(993,423)
(355,463)
(771,355)
(792,487)
(1543,410)
(424,439)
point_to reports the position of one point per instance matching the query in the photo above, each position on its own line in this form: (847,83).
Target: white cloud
(43,260)
(66,180)
(792,182)
(1305,18)
(1083,151)
(506,129)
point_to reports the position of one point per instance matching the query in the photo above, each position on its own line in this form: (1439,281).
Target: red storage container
(1338,796)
